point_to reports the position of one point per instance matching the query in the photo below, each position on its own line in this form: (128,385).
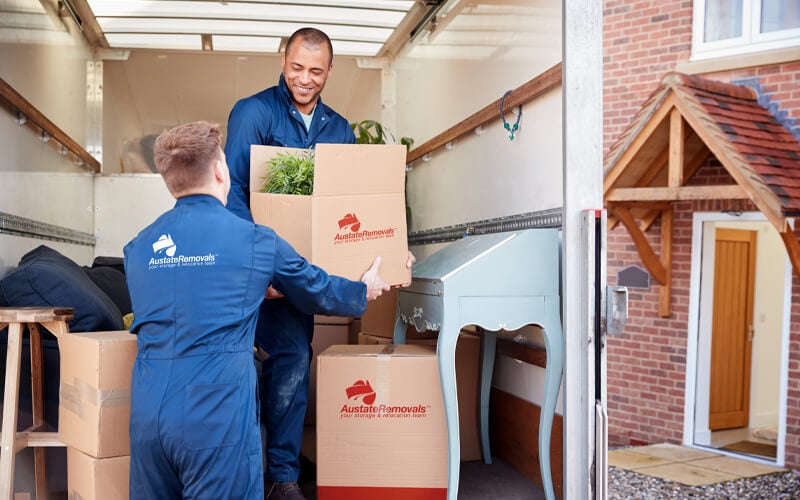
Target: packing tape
(70,400)
(383,373)
(77,396)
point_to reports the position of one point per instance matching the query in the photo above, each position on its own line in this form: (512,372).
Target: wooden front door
(732,328)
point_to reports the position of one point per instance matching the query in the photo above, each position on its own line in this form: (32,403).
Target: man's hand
(273,294)
(409,264)
(375,285)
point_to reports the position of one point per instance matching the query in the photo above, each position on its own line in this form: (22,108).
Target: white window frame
(749,42)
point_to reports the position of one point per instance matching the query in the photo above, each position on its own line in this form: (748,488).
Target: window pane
(777,15)
(723,19)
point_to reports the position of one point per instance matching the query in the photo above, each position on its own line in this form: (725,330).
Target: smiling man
(290,114)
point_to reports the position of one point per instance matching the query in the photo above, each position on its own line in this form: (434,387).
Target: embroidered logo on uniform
(165,250)
(164,244)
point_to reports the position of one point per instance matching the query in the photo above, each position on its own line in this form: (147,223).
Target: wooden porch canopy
(684,122)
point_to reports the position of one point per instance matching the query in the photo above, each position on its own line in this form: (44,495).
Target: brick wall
(644,40)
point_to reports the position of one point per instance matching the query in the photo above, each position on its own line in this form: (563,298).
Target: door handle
(750,333)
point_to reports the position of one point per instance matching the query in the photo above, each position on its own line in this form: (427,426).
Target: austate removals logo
(363,391)
(164,244)
(164,249)
(350,231)
(350,221)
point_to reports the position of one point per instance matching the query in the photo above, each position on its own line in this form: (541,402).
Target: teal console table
(500,281)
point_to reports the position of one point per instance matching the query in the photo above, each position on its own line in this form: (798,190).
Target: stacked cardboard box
(377,327)
(380,423)
(468,352)
(94,412)
(325,335)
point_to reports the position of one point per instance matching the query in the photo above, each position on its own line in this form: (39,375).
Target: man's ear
(219,174)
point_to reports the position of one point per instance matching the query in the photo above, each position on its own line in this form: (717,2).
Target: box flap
(359,169)
(288,214)
(259,156)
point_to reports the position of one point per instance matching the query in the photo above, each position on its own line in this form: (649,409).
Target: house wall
(647,364)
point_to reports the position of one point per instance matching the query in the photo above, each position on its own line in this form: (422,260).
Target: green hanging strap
(512,129)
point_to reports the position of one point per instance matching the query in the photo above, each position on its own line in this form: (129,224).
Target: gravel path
(624,484)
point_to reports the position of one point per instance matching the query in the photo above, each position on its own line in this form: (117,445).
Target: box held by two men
(356,212)
(95,397)
(90,478)
(381,429)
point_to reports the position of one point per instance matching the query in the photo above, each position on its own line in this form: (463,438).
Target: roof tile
(753,141)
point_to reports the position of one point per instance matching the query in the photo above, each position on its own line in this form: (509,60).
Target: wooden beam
(725,192)
(88,25)
(646,253)
(691,168)
(792,248)
(676,143)
(665,291)
(653,122)
(526,92)
(13,100)
(761,195)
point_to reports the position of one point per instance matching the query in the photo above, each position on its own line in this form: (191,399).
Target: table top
(35,314)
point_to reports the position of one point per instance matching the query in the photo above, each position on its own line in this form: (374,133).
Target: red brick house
(702,184)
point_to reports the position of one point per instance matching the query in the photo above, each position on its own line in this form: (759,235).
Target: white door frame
(693,346)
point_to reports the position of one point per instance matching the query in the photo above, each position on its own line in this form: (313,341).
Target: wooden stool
(54,319)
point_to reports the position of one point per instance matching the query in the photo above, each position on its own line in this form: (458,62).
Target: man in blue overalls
(290,114)
(197,277)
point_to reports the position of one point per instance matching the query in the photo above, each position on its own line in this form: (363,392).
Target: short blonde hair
(184,154)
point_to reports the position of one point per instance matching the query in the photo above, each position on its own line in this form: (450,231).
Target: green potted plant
(373,132)
(289,173)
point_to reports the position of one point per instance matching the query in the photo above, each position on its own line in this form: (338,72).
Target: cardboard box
(468,355)
(380,423)
(356,213)
(380,316)
(95,397)
(90,478)
(324,337)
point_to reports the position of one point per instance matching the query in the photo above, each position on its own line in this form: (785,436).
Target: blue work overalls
(197,277)
(269,118)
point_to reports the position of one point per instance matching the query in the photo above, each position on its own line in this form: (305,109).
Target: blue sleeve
(248,123)
(313,291)
(350,136)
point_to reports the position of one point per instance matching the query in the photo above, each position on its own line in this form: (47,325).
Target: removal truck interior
(436,76)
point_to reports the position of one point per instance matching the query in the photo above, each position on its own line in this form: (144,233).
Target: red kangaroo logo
(361,389)
(350,220)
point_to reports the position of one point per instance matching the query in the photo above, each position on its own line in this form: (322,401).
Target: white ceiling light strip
(151,41)
(253,28)
(246,43)
(274,12)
